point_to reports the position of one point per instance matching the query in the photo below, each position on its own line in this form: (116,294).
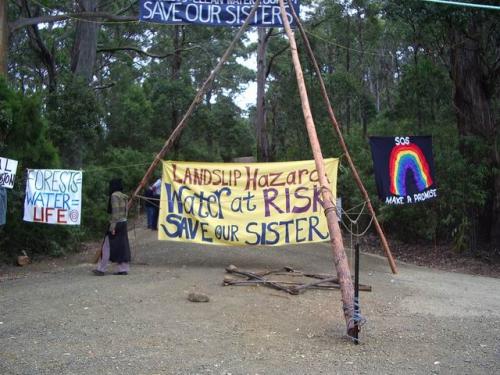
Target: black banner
(229,13)
(404,169)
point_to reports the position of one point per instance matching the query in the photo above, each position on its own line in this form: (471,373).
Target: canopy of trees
(88,86)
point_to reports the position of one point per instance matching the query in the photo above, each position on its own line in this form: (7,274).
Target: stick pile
(322,281)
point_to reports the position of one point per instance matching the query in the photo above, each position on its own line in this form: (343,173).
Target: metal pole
(356,292)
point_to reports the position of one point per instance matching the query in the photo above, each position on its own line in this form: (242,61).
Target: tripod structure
(339,255)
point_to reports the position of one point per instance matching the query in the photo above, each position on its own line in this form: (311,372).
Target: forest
(87,86)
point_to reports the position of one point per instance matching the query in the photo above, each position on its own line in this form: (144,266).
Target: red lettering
(61,216)
(251,179)
(48,213)
(35,216)
(174,167)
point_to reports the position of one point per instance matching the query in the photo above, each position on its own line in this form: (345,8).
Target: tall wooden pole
(197,100)
(339,256)
(4,38)
(336,126)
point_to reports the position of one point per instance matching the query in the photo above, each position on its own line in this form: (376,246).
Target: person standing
(150,204)
(116,246)
(3,205)
(156,189)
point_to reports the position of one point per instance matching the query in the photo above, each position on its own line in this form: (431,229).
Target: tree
(467,42)
(24,137)
(261,118)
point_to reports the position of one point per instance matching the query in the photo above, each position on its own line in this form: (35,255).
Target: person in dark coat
(116,247)
(156,189)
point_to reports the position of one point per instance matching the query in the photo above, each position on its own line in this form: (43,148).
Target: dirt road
(56,318)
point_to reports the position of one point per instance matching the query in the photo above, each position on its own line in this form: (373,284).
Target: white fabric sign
(53,196)
(8,169)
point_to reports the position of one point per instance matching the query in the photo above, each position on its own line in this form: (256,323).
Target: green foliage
(129,120)
(125,163)
(424,92)
(23,135)
(74,115)
(386,65)
(232,134)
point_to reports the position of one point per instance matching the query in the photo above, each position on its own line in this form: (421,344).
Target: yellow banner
(244,203)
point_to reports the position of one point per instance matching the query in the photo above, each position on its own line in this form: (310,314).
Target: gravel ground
(57,318)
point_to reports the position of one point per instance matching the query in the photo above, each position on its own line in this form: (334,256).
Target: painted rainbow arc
(404,158)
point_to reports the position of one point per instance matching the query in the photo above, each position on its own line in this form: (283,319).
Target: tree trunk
(178,40)
(473,105)
(495,225)
(40,48)
(471,99)
(416,47)
(278,136)
(4,38)
(83,55)
(176,67)
(260,121)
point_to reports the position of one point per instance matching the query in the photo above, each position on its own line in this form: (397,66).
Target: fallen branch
(251,275)
(291,287)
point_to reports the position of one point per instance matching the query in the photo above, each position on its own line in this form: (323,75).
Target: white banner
(53,196)
(8,169)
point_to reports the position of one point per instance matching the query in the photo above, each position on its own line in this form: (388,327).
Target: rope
(389,54)
(357,319)
(148,199)
(463,4)
(356,221)
(359,234)
(327,41)
(98,169)
(363,204)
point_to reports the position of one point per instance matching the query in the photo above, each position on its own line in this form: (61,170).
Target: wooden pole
(336,126)
(339,256)
(197,100)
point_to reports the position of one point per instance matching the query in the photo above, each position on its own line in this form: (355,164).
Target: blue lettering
(249,230)
(299,229)
(204,231)
(313,223)
(270,229)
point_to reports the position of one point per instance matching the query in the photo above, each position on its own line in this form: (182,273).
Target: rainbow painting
(405,158)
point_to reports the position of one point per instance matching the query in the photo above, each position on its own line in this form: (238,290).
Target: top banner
(244,203)
(229,13)
(404,169)
(8,169)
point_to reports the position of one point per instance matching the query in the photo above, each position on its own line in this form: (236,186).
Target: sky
(248,97)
